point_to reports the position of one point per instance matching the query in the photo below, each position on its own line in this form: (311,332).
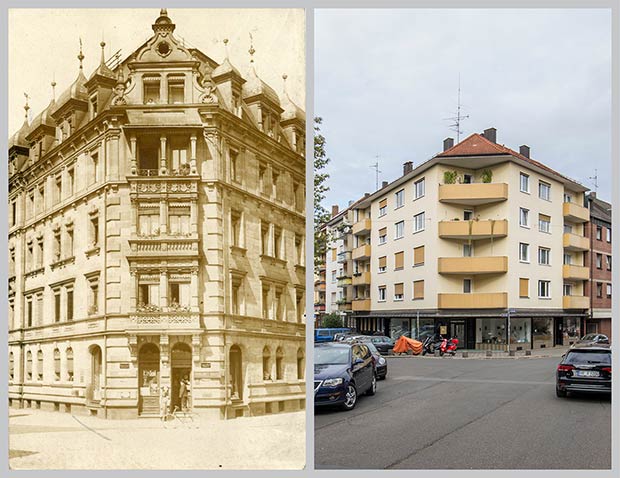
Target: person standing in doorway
(183,392)
(164,402)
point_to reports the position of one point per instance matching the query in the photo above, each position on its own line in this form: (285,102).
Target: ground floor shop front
(481,331)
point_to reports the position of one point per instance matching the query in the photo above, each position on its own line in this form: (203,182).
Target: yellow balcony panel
(344,281)
(473,194)
(344,305)
(473,229)
(361,227)
(489,300)
(575,302)
(575,272)
(575,213)
(473,265)
(362,252)
(362,279)
(574,242)
(361,304)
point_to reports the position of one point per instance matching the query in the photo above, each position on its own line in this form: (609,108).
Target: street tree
(332,320)
(321,215)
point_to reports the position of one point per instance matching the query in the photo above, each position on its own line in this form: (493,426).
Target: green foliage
(449,177)
(487,176)
(332,320)
(321,215)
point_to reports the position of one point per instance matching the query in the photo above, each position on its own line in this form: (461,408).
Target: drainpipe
(591,264)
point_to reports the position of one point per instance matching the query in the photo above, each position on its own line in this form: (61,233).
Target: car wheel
(350,397)
(560,393)
(373,386)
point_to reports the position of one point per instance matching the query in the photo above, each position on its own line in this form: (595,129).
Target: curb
(477,357)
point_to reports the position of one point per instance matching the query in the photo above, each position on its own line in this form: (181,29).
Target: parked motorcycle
(430,344)
(448,346)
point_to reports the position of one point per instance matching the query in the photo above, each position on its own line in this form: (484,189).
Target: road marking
(471,380)
(91,429)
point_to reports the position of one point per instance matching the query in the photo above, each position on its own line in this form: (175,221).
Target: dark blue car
(343,372)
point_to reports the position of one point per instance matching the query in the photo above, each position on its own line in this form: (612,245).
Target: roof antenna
(456,125)
(595,178)
(53,83)
(376,168)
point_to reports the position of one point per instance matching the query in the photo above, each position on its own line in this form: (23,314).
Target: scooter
(448,346)
(430,344)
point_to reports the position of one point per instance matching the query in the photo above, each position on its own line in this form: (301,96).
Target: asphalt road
(449,413)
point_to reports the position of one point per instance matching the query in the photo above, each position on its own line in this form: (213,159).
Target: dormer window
(176,90)
(151,89)
(93,106)
(237,104)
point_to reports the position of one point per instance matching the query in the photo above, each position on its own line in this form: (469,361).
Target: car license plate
(586,373)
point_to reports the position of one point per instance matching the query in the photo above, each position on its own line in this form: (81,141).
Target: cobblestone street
(49,440)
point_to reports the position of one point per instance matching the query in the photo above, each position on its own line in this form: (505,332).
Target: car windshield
(372,348)
(331,355)
(588,358)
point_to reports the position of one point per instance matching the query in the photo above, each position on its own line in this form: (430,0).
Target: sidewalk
(495,354)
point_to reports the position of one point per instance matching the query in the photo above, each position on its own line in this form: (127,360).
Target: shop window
(176,90)
(279,364)
(150,86)
(69,355)
(599,290)
(266,364)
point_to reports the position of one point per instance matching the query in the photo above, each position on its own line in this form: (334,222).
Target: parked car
(327,334)
(584,368)
(593,339)
(343,372)
(380,362)
(384,344)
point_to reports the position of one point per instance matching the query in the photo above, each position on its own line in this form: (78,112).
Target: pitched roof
(477,145)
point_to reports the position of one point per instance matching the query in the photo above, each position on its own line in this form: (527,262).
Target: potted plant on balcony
(449,177)
(486,176)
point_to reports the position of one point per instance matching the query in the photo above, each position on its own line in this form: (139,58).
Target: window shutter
(524,287)
(383,203)
(399,260)
(383,261)
(418,289)
(418,255)
(543,217)
(398,289)
(383,231)
(334,254)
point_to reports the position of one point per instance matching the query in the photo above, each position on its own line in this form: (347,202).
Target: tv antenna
(456,125)
(595,179)
(376,168)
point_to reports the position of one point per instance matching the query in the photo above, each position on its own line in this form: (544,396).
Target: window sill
(397,238)
(418,265)
(93,251)
(416,232)
(238,250)
(62,262)
(273,260)
(398,300)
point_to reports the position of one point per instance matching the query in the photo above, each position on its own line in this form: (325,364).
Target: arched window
(11,366)
(279,364)
(40,365)
(301,365)
(29,365)
(56,364)
(266,363)
(69,354)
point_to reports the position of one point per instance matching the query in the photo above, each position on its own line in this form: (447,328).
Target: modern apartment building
(476,241)
(156,231)
(599,261)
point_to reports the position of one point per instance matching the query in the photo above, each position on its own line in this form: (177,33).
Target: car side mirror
(563,355)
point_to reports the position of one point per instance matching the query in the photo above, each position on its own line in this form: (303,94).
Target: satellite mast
(456,125)
(595,178)
(376,168)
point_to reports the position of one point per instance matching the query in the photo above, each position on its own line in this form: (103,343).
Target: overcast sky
(386,80)
(44,43)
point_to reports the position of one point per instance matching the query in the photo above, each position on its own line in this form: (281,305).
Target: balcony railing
(473,265)
(572,272)
(165,320)
(360,304)
(362,252)
(473,230)
(361,278)
(362,227)
(343,257)
(489,300)
(575,213)
(164,245)
(344,281)
(575,302)
(574,242)
(473,194)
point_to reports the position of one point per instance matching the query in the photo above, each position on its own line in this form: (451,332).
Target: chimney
(407,167)
(384,184)
(524,149)
(490,134)
(366,195)
(334,210)
(351,201)
(592,194)
(448,143)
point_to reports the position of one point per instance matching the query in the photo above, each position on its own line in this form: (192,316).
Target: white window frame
(527,249)
(524,217)
(541,284)
(547,229)
(419,189)
(381,293)
(525,177)
(399,198)
(541,185)
(608,229)
(608,290)
(402,229)
(419,220)
(548,253)
(382,211)
(383,238)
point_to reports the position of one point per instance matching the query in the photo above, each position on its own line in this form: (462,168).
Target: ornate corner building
(156,232)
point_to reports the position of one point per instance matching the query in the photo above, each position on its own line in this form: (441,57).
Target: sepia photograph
(463,239)
(156,239)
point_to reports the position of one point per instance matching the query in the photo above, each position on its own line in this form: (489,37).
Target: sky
(44,44)
(387,80)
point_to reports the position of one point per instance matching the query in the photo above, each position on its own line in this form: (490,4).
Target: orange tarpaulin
(403,344)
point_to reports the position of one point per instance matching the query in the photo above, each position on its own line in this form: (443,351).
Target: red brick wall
(598,275)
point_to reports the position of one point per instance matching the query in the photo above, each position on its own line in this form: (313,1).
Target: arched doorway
(96,370)
(181,369)
(236,376)
(148,379)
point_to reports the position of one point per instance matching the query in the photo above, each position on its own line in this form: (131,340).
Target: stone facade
(157,230)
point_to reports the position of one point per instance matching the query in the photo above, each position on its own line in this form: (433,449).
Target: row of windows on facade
(272,300)
(271,237)
(599,233)
(34,369)
(599,290)
(268,364)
